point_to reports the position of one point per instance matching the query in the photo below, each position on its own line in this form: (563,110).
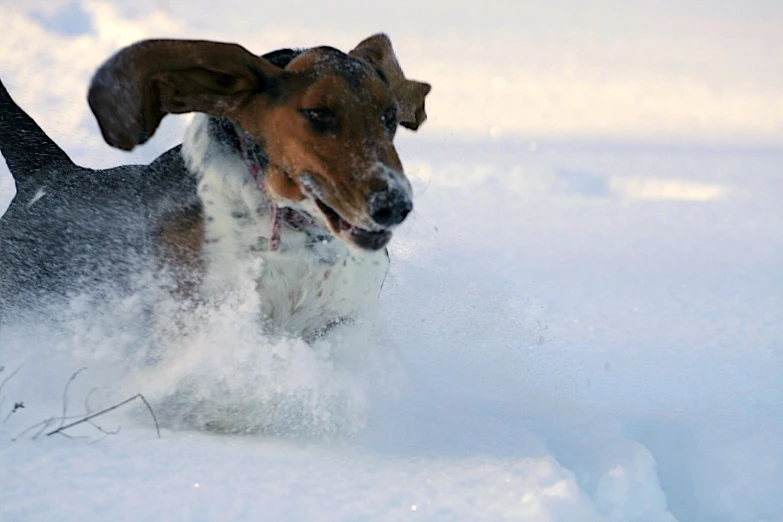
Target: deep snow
(570,330)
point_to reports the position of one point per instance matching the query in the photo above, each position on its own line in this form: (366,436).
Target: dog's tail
(28,151)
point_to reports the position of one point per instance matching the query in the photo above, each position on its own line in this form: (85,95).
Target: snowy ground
(572,330)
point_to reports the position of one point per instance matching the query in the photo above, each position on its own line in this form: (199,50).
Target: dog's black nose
(389,207)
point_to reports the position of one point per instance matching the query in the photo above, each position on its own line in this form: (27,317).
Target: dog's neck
(256,161)
(213,152)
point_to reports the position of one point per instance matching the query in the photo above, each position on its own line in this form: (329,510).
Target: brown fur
(134,89)
(333,158)
(179,243)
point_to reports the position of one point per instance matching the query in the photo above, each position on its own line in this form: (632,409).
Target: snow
(571,329)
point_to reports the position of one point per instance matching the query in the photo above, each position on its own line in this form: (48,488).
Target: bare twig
(106,433)
(65,393)
(87,417)
(73,437)
(152,412)
(3,383)
(43,425)
(96,441)
(92,416)
(88,410)
(87,399)
(17,406)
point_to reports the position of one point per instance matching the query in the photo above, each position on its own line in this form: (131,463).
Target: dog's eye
(389,119)
(321,119)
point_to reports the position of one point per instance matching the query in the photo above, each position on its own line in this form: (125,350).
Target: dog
(287,175)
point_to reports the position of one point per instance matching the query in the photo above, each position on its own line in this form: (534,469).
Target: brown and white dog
(288,178)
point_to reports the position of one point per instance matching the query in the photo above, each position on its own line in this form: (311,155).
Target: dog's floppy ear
(410,94)
(134,89)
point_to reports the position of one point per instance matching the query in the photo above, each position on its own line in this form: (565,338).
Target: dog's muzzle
(389,207)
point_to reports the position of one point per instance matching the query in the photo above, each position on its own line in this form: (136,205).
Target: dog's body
(209,213)
(71,229)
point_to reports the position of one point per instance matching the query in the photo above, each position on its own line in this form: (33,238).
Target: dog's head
(326,121)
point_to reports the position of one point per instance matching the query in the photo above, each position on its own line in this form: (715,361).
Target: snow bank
(571,331)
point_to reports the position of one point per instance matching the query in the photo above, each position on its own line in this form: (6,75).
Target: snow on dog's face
(326,123)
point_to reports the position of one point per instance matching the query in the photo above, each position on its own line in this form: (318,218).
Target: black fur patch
(282,57)
(223,130)
(382,74)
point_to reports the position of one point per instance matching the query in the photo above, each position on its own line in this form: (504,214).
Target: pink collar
(299,221)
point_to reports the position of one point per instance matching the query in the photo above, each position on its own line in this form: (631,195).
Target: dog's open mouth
(365,239)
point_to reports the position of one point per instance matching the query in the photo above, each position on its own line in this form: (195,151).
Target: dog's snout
(389,207)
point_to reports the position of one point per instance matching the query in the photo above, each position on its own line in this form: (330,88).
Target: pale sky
(686,71)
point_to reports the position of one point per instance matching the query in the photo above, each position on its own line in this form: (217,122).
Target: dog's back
(71,229)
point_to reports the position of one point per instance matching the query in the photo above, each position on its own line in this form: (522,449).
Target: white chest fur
(303,288)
